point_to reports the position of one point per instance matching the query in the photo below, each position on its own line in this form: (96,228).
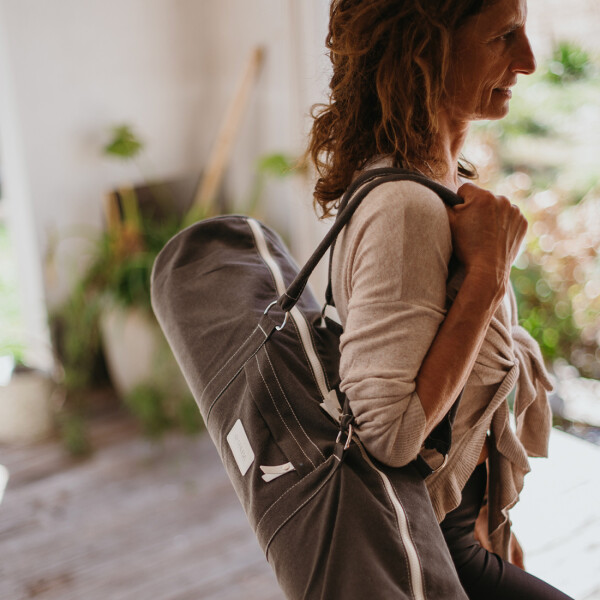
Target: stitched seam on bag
(279,413)
(412,537)
(229,382)
(404,553)
(228,361)
(290,406)
(322,465)
(290,516)
(292,319)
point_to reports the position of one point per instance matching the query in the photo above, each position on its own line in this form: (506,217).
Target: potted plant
(106,329)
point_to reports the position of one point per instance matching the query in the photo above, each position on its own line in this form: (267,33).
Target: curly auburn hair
(390,59)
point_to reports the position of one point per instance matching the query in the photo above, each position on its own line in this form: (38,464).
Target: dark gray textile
(336,524)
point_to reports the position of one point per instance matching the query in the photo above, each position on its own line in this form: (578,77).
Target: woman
(423,291)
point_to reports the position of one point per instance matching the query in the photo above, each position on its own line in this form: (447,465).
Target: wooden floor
(137,521)
(147,521)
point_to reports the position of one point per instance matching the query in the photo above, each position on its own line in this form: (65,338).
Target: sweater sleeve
(389,279)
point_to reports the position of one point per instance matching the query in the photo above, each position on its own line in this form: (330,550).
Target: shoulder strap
(444,193)
(441,437)
(351,200)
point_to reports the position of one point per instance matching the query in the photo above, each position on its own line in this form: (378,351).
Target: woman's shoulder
(402,203)
(398,223)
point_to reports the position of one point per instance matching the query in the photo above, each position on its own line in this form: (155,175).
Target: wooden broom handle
(213,174)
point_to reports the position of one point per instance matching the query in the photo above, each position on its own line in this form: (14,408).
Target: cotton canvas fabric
(339,524)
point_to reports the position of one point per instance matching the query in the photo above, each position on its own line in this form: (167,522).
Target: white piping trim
(414,564)
(295,313)
(263,250)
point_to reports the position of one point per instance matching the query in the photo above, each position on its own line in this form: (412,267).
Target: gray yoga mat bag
(262,364)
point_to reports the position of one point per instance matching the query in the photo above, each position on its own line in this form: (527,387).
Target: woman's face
(489,51)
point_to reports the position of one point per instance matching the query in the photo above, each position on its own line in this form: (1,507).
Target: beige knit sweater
(392,287)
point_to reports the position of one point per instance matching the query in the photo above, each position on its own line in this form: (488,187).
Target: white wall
(78,68)
(69,69)
(294,77)
(167,67)
(20,219)
(553,21)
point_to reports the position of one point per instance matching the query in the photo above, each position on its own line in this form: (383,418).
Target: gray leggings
(484,575)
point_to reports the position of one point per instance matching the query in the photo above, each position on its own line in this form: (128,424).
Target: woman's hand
(487,232)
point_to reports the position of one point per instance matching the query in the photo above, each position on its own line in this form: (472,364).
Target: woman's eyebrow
(511,22)
(508,26)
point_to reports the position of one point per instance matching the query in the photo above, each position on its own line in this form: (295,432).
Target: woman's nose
(524,61)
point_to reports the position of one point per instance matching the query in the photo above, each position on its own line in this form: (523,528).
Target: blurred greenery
(543,156)
(569,62)
(119,272)
(73,432)
(124,143)
(152,409)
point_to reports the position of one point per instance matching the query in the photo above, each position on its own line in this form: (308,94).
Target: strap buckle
(278,327)
(441,466)
(348,436)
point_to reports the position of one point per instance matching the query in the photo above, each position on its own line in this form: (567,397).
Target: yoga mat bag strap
(440,438)
(263,367)
(364,183)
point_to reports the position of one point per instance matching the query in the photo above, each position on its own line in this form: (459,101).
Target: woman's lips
(507,92)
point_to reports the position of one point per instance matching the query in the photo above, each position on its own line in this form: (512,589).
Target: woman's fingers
(487,230)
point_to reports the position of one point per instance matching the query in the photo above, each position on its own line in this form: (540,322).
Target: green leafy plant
(569,63)
(156,411)
(73,431)
(543,157)
(124,143)
(119,272)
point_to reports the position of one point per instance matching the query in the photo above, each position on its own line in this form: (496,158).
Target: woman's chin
(497,109)
(500,103)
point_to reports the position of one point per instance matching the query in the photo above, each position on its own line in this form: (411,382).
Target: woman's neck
(451,139)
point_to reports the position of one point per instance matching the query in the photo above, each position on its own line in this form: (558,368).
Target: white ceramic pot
(136,352)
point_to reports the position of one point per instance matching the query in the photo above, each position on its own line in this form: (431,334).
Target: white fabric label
(240,446)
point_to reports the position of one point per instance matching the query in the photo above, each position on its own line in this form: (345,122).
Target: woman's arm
(487,232)
(399,342)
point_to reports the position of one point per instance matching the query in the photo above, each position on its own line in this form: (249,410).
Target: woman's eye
(506,36)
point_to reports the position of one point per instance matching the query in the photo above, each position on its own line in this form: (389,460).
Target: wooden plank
(138,520)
